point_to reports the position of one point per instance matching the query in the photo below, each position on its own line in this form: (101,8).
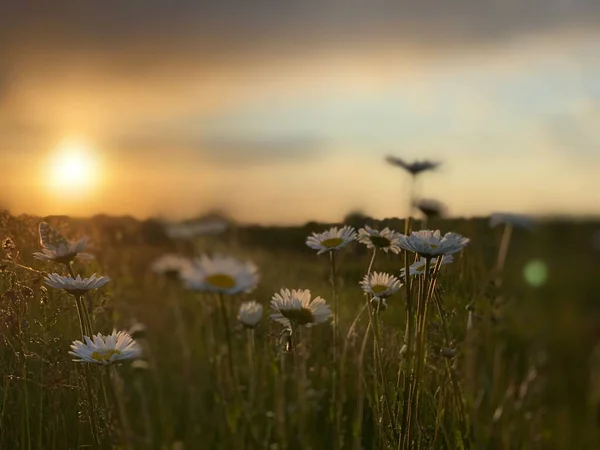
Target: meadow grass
(508,366)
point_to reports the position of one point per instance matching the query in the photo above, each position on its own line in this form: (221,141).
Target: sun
(73,167)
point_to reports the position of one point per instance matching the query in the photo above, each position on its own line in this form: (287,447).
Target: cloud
(261,150)
(216,150)
(197,27)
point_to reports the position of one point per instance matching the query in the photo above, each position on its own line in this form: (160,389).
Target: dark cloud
(219,150)
(261,151)
(165,27)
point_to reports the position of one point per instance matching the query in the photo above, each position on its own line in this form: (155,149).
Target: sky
(283,112)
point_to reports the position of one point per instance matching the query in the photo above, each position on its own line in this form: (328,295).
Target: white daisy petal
(379,284)
(418,268)
(56,248)
(250,314)
(75,286)
(296,306)
(221,274)
(386,239)
(171,265)
(333,239)
(106,350)
(429,243)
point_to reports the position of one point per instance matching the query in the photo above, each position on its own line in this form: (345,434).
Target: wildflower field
(363,337)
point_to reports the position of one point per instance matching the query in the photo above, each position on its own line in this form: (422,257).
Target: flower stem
(335,411)
(419,357)
(503,251)
(116,391)
(251,349)
(458,396)
(227,334)
(335,304)
(82,326)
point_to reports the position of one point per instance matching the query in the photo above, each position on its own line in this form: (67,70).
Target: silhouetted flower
(516,220)
(414,168)
(431,208)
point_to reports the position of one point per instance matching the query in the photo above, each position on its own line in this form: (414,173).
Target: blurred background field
(534,383)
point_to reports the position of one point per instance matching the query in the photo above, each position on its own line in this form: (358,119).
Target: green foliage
(519,352)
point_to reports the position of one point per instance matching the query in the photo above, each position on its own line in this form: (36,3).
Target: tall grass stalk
(115,385)
(343,360)
(335,412)
(227,329)
(186,353)
(503,252)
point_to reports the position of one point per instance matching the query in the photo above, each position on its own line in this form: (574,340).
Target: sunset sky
(283,112)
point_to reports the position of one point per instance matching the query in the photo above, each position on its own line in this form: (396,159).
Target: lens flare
(536,273)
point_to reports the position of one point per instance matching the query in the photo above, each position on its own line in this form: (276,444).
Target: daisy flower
(516,220)
(414,168)
(296,307)
(171,265)
(386,239)
(250,314)
(431,243)
(191,230)
(55,247)
(418,268)
(381,285)
(106,350)
(221,274)
(333,239)
(75,286)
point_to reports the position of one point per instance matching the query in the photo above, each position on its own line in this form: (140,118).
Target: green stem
(92,407)
(503,252)
(419,355)
(409,341)
(116,392)
(335,408)
(227,334)
(458,396)
(81,321)
(379,362)
(251,349)
(357,428)
(335,304)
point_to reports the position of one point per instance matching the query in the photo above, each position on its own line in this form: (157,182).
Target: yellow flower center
(420,267)
(221,281)
(434,246)
(380,241)
(105,355)
(332,242)
(379,288)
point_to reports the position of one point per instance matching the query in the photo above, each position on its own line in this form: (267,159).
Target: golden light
(73,167)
